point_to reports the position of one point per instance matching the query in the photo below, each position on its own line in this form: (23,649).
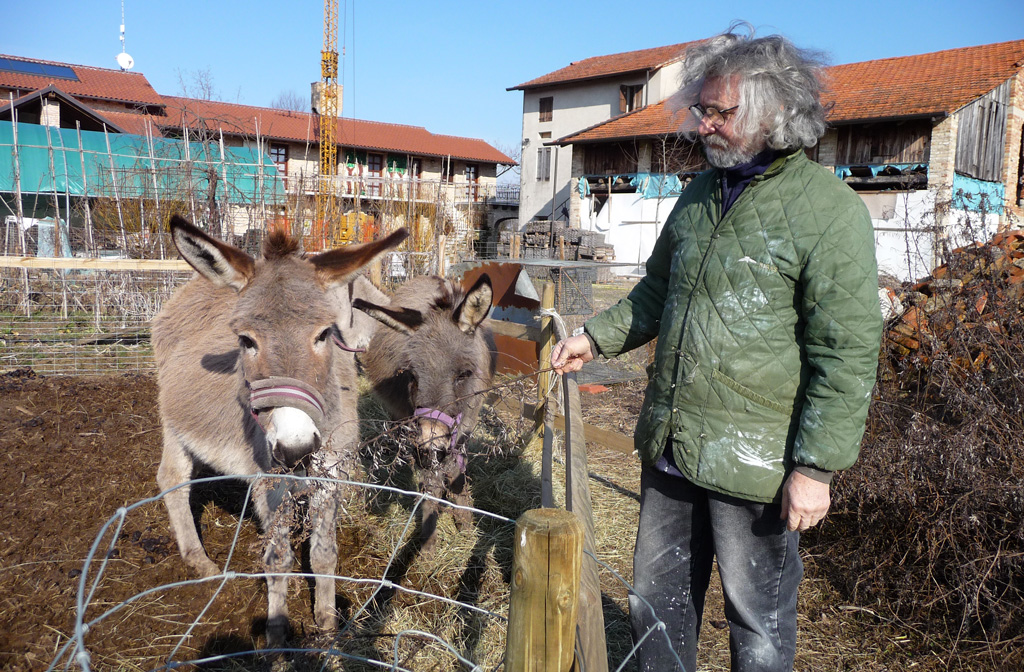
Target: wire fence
(92,316)
(81,320)
(436,630)
(91,611)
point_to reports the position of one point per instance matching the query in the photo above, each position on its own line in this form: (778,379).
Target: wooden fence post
(545,589)
(547,343)
(544,415)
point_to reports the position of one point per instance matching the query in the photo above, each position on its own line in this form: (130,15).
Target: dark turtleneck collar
(736,179)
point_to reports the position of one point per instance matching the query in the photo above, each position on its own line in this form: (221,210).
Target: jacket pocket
(743,449)
(748,393)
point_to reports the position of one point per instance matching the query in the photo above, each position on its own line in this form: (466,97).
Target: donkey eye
(325,334)
(246,343)
(463,376)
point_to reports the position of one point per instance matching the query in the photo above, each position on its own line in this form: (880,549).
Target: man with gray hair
(762,293)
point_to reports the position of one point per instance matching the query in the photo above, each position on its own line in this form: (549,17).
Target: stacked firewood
(543,239)
(981,286)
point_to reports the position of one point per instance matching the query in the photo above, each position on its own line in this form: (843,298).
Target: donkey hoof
(327,622)
(277,631)
(463,520)
(201,564)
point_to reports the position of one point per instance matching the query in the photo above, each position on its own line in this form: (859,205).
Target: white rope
(560,333)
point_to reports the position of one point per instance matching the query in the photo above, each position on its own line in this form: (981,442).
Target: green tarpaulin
(51,160)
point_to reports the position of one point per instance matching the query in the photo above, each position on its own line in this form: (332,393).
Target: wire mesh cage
(573,285)
(80,320)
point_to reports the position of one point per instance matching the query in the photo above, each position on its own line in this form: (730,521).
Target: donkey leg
(431,483)
(277,560)
(176,468)
(323,554)
(457,490)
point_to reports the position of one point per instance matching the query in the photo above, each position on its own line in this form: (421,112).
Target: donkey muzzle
(440,431)
(291,414)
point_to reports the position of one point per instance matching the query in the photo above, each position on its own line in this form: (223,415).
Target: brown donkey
(254,375)
(433,363)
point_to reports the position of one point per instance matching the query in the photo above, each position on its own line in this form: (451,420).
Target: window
(471,180)
(375,172)
(547,106)
(279,155)
(447,174)
(631,97)
(544,164)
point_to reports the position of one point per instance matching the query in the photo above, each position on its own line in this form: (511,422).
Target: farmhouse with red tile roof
(377,161)
(930,141)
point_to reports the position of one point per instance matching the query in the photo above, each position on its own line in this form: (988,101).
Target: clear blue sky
(445,65)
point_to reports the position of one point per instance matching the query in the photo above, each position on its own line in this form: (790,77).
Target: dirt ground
(74,450)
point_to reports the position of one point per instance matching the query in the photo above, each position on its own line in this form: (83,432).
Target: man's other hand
(805,501)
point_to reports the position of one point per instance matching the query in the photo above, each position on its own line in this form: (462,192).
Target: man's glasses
(715,116)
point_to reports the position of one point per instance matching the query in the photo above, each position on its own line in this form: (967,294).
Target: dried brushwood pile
(929,525)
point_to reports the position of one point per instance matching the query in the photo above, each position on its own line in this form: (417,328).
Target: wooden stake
(544,417)
(545,582)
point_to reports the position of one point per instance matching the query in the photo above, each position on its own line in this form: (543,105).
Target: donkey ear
(215,260)
(476,306)
(405,320)
(337,266)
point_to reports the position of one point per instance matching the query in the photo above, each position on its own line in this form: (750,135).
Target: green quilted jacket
(768,327)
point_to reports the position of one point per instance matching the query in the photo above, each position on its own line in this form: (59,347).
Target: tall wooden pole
(544,417)
(593,648)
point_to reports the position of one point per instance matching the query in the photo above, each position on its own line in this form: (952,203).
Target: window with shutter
(544,164)
(631,97)
(547,106)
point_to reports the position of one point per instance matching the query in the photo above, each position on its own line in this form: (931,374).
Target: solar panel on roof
(38,69)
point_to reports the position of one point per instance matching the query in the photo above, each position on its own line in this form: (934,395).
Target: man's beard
(720,155)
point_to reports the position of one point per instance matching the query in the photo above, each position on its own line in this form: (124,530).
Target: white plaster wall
(630,224)
(575,107)
(664,82)
(906,242)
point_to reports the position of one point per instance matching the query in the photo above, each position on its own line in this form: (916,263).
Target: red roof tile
(937,83)
(651,121)
(301,127)
(133,122)
(93,83)
(605,66)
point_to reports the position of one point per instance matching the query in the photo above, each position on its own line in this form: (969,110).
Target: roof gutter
(572,80)
(934,116)
(566,141)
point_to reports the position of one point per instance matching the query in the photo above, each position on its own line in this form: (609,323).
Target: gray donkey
(432,363)
(254,375)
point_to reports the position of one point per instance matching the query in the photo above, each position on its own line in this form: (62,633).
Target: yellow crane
(327,227)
